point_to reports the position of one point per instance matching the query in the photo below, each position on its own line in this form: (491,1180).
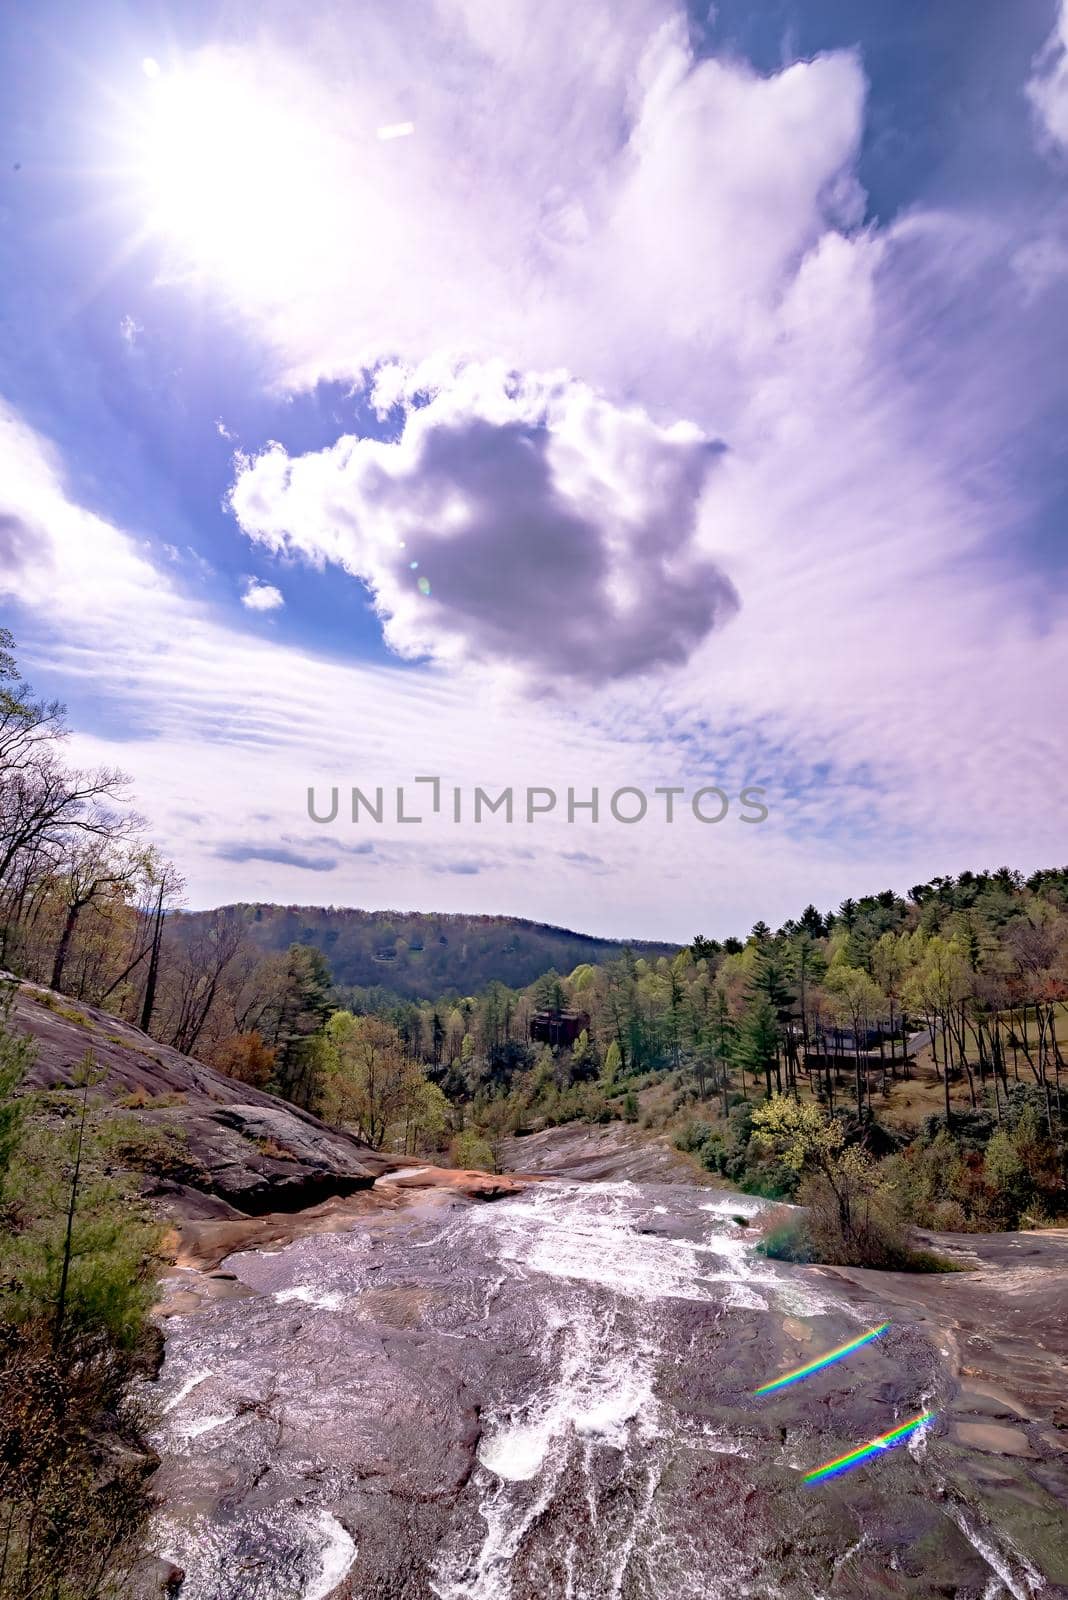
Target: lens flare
(885,1441)
(822,1361)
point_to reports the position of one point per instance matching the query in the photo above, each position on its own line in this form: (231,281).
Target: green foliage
(470,1150)
(303,1005)
(16,1055)
(979,1174)
(76,1254)
(757,1045)
(370,1082)
(109,1285)
(852,1215)
(786,1238)
(613,1061)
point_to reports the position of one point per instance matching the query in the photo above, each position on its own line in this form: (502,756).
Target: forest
(419,954)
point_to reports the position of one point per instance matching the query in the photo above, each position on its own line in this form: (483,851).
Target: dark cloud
(280,855)
(564,544)
(528,577)
(582,858)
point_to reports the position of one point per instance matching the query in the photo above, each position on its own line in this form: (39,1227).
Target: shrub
(245,1057)
(949,1216)
(469,1149)
(786,1237)
(273,1150)
(74,1498)
(142,1099)
(76,1258)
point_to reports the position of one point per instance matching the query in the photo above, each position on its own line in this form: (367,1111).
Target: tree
(427,1117)
(806,965)
(303,1007)
(862,1001)
(757,1043)
(166,881)
(847,1210)
(471,1152)
(197,968)
(549,992)
(246,1058)
(936,986)
(370,1082)
(94,867)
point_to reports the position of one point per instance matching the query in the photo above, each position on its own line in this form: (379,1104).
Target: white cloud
(57,554)
(612,207)
(525,524)
(1047,88)
(1040,264)
(259,596)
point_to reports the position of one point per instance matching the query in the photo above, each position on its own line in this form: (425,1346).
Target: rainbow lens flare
(885,1441)
(823,1361)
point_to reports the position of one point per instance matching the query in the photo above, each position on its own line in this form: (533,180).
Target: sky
(541,397)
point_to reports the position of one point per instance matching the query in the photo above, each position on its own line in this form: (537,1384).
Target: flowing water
(551,1395)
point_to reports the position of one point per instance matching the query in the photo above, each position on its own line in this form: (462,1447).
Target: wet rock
(169,1579)
(601,1153)
(556,1395)
(993,1437)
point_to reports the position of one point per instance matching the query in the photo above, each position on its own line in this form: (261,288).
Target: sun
(233,175)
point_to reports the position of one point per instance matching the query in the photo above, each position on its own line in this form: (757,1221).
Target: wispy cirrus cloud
(1047,88)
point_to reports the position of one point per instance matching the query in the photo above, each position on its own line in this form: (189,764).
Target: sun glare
(233,178)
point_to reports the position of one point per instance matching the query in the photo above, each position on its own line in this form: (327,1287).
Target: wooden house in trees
(557,1028)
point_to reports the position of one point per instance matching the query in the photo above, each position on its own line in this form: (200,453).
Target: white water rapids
(603,1352)
(550,1395)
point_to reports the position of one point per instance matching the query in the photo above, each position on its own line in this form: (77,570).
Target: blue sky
(710,368)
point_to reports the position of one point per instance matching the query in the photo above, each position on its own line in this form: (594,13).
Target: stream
(552,1395)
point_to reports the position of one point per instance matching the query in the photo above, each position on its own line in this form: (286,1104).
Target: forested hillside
(416,954)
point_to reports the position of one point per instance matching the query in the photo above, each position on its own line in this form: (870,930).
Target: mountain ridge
(422,954)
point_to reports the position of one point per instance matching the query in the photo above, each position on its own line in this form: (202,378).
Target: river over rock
(551,1395)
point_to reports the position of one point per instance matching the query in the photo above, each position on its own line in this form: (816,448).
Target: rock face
(232,1149)
(268,1158)
(609,1152)
(556,1395)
